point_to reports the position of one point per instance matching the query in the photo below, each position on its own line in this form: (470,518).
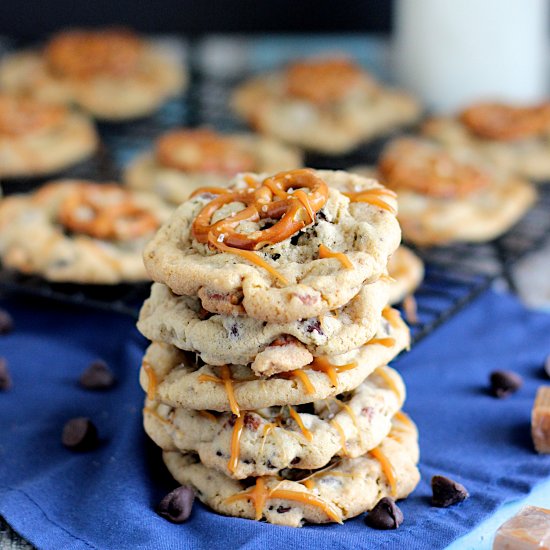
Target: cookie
(175,378)
(37,138)
(515,140)
(113,74)
(79,231)
(268,347)
(275,261)
(346,488)
(184,160)
(407,271)
(325,105)
(444,198)
(303,437)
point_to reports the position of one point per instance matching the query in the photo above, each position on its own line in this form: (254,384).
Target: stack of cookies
(267,380)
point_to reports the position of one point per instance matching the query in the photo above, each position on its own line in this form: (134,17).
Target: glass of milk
(453,52)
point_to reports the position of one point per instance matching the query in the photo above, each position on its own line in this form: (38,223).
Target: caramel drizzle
(302,197)
(372,196)
(259,495)
(236,444)
(353,417)
(400,416)
(387,469)
(152,381)
(152,412)
(308,483)
(302,377)
(227,381)
(325,252)
(298,419)
(386,342)
(208,415)
(411,312)
(340,431)
(249,255)
(390,382)
(322,364)
(392,316)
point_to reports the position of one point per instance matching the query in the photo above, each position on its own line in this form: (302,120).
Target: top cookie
(184,160)
(515,140)
(327,105)
(277,249)
(111,73)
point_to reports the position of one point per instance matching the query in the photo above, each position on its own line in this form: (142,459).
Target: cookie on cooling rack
(514,139)
(447,197)
(407,272)
(113,74)
(304,437)
(269,348)
(330,105)
(177,379)
(345,488)
(37,138)
(299,249)
(79,232)
(186,159)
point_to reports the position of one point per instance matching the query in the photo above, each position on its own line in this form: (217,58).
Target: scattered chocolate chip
(177,505)
(234,330)
(321,215)
(98,376)
(203,315)
(275,257)
(505,383)
(313,325)
(6,322)
(252,422)
(283,509)
(296,460)
(385,515)
(80,434)
(5,378)
(547,366)
(219,453)
(446,492)
(294,239)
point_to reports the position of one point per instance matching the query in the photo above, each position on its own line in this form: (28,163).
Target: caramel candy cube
(540,420)
(529,529)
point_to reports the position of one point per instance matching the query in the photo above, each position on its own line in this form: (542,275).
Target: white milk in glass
(453,52)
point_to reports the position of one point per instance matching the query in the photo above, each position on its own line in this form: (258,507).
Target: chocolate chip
(313,325)
(275,257)
(234,331)
(177,505)
(5,377)
(283,509)
(446,492)
(547,366)
(296,460)
(98,376)
(505,383)
(80,434)
(6,322)
(385,515)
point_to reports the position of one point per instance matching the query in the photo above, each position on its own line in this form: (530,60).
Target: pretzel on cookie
(270,201)
(507,122)
(105,212)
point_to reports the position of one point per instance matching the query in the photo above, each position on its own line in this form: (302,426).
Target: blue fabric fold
(105,499)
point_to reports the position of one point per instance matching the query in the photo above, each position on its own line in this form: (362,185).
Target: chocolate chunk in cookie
(177,505)
(446,492)
(385,515)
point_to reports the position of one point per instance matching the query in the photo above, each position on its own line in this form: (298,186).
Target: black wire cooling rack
(455,275)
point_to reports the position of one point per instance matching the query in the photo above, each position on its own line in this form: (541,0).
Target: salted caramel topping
(342,435)
(208,415)
(322,364)
(105,211)
(423,168)
(269,201)
(252,258)
(297,418)
(23,116)
(392,316)
(84,54)
(236,444)
(372,196)
(383,373)
(386,342)
(325,252)
(227,381)
(323,81)
(202,150)
(506,122)
(387,468)
(151,380)
(308,483)
(259,495)
(303,377)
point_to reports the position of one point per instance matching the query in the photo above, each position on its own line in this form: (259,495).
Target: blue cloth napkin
(105,499)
